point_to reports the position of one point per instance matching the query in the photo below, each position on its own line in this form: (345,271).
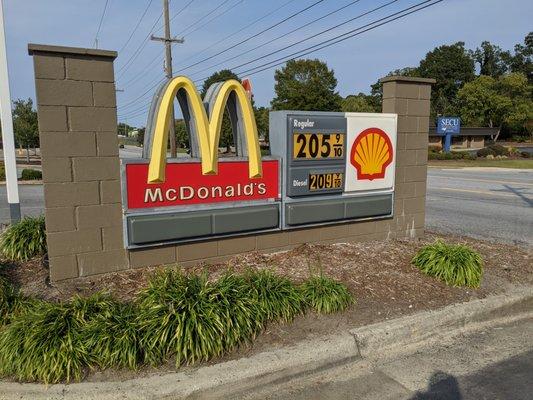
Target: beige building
(469,138)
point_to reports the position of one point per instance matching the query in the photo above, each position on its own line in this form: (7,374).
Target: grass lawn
(519,164)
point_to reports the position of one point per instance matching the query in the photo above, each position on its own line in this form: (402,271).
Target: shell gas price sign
(371,152)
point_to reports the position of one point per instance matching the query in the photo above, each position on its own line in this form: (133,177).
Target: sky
(357,62)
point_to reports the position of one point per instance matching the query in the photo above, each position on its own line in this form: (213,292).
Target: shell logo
(371,153)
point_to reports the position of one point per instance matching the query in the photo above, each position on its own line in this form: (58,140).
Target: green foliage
(25,124)
(25,239)
(494,150)
(277,296)
(452,66)
(186,316)
(492,60)
(9,299)
(452,155)
(456,265)
(180,314)
(2,172)
(307,85)
(182,137)
(262,121)
(112,337)
(31,174)
(359,103)
(45,342)
(325,295)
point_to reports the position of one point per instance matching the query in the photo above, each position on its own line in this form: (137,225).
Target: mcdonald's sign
(155,182)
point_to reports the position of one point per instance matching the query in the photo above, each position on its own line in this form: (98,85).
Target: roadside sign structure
(448,127)
(325,168)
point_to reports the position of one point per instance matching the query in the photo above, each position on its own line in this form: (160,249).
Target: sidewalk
(360,345)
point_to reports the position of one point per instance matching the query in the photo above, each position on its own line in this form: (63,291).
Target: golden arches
(207,128)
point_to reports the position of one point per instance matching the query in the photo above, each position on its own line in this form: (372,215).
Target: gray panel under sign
(163,228)
(314,212)
(361,207)
(246,219)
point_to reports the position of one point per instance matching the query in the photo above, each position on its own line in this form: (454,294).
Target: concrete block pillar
(410,99)
(76,106)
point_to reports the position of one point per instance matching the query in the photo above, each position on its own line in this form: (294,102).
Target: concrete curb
(367,342)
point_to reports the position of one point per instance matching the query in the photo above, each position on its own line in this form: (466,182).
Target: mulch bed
(378,273)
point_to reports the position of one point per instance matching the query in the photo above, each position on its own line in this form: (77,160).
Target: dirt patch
(378,273)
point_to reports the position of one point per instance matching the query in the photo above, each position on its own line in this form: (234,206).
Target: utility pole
(168,40)
(7,128)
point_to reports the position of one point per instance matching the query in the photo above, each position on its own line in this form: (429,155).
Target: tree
(226,134)
(25,125)
(359,103)
(376,90)
(481,104)
(492,60)
(182,136)
(261,119)
(505,102)
(452,66)
(522,60)
(306,85)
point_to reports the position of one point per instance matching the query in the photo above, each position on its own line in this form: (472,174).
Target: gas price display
(312,146)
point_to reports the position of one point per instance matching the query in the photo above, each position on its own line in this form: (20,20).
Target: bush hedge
(177,315)
(493,150)
(31,174)
(456,265)
(453,155)
(25,239)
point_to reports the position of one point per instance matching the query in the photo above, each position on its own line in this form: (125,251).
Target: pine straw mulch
(378,273)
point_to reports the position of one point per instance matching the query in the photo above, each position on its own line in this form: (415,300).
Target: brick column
(410,99)
(76,106)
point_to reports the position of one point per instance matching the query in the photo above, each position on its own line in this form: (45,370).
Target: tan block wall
(77,120)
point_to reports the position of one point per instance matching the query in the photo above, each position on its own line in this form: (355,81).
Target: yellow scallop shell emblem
(371,154)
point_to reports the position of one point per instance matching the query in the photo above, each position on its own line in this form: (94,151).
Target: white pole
(7,127)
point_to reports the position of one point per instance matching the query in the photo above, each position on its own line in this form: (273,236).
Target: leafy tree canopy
(306,85)
(25,124)
(359,103)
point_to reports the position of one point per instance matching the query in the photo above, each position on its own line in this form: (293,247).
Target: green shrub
(453,155)
(9,298)
(493,150)
(456,265)
(113,338)
(24,240)
(2,172)
(326,295)
(179,314)
(525,154)
(31,174)
(45,342)
(277,296)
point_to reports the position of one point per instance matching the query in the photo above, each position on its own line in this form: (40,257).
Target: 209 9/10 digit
(318,145)
(325,181)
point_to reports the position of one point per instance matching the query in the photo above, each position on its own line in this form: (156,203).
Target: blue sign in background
(448,125)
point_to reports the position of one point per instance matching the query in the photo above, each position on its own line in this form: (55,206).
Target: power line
(136,26)
(324,44)
(215,17)
(100,24)
(256,35)
(287,34)
(181,10)
(203,17)
(247,39)
(340,38)
(316,34)
(145,69)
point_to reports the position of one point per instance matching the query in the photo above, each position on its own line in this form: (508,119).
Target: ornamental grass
(455,265)
(185,316)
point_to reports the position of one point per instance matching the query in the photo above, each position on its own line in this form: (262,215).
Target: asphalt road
(487,203)
(492,364)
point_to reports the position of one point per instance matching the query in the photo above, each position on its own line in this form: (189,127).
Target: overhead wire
(327,43)
(314,35)
(136,27)
(245,40)
(282,36)
(100,23)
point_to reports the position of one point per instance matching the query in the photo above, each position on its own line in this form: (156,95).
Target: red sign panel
(185,184)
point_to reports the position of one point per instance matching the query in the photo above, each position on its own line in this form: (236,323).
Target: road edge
(304,358)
